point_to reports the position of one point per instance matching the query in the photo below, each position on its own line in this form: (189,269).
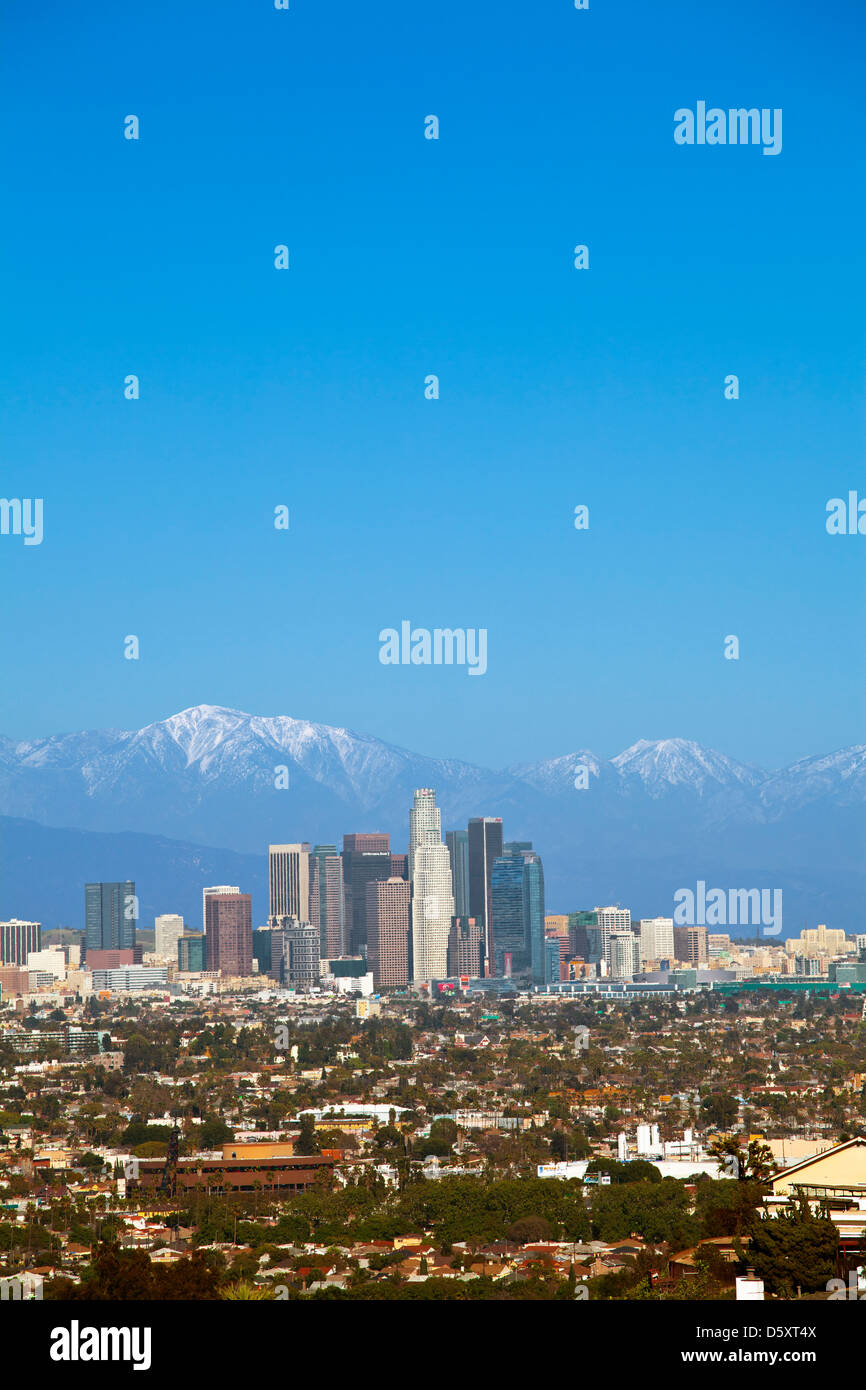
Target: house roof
(785,1173)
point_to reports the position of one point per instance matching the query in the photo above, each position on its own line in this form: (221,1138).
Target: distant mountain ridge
(658,816)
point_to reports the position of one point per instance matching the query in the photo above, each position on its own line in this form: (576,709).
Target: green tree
(796,1249)
(307,1141)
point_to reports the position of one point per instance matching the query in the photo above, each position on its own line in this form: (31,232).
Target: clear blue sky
(454,257)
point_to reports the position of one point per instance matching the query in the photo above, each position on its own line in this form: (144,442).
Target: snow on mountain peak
(682,762)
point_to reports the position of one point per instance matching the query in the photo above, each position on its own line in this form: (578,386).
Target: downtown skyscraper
(518,908)
(110,914)
(288,882)
(432,895)
(327,912)
(485,845)
(458,848)
(366,859)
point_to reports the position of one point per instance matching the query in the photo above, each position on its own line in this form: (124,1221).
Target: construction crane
(168,1182)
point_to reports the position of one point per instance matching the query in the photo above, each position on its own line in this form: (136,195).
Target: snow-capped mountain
(657,816)
(678,762)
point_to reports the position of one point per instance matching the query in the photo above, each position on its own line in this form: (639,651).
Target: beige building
(817,941)
(289,882)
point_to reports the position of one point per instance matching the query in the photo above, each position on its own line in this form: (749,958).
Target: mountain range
(197,797)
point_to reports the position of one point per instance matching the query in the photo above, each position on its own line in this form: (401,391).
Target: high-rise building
(506,897)
(17,938)
(289,881)
(610,919)
(580,941)
(262,940)
(366,859)
(690,945)
(191,952)
(300,956)
(400,866)
(432,896)
(110,912)
(533,912)
(216,888)
(553,959)
(326,900)
(458,851)
(517,896)
(656,938)
(168,930)
(623,954)
(556,924)
(388,931)
(229,932)
(466,948)
(485,846)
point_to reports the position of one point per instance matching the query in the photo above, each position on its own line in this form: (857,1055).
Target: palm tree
(246,1290)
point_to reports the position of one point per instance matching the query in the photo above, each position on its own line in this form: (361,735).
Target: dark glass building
(517,891)
(110,912)
(485,845)
(192,952)
(458,850)
(366,859)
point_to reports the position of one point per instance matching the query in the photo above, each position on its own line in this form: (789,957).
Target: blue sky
(453,257)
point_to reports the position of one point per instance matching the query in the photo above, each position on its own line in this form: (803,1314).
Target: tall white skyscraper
(611,919)
(657,938)
(209,892)
(432,894)
(168,929)
(289,882)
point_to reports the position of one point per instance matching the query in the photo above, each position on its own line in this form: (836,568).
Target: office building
(585,935)
(110,912)
(517,897)
(51,961)
(229,933)
(552,959)
(262,952)
(300,956)
(506,897)
(326,899)
(14,980)
(130,979)
(656,938)
(623,955)
(114,960)
(289,881)
(388,932)
(485,846)
(366,859)
(690,945)
(400,866)
(192,952)
(458,852)
(215,889)
(533,911)
(610,919)
(17,938)
(168,929)
(432,898)
(466,948)
(817,941)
